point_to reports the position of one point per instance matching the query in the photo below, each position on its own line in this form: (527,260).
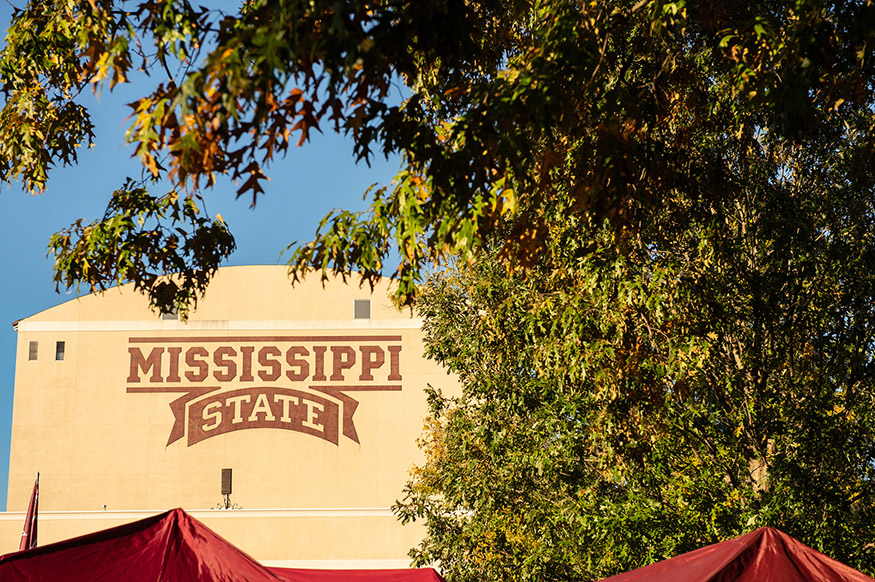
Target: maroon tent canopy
(397,575)
(169,547)
(763,555)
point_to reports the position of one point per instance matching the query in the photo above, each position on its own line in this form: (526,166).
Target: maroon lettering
(261,406)
(394,364)
(324,410)
(212,412)
(221,361)
(301,367)
(138,362)
(265,360)
(298,363)
(174,364)
(237,402)
(344,359)
(246,351)
(372,358)
(191,358)
(319,374)
(266,407)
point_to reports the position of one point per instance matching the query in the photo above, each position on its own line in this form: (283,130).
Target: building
(311,395)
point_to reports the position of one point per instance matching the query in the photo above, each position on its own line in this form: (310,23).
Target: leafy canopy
(624,404)
(501,101)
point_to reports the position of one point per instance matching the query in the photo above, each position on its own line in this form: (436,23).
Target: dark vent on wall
(362,309)
(32,351)
(226,481)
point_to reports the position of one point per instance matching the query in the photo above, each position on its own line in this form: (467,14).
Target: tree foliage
(501,102)
(621,406)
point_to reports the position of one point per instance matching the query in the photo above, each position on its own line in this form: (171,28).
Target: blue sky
(304,186)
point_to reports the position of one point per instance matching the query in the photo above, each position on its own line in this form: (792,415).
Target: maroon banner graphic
(281,408)
(311,406)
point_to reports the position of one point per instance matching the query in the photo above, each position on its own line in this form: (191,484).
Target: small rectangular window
(32,351)
(362,309)
(172,314)
(59,351)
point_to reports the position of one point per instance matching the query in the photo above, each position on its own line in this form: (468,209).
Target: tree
(624,405)
(501,102)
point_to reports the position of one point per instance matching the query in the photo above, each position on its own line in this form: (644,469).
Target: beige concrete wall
(97,425)
(321,538)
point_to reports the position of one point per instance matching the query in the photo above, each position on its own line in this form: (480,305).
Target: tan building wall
(311,408)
